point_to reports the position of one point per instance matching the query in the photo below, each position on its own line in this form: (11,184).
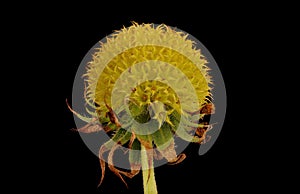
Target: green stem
(148,180)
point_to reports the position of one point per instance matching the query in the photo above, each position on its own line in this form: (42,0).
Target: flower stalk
(149,182)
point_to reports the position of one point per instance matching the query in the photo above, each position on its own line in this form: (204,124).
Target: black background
(44,43)
(62,162)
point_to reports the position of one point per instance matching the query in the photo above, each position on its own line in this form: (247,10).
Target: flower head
(144,86)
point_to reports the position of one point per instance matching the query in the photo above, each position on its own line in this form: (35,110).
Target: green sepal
(125,138)
(122,136)
(135,153)
(119,134)
(162,137)
(175,119)
(139,113)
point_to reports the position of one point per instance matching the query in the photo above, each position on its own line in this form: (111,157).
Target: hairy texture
(153,64)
